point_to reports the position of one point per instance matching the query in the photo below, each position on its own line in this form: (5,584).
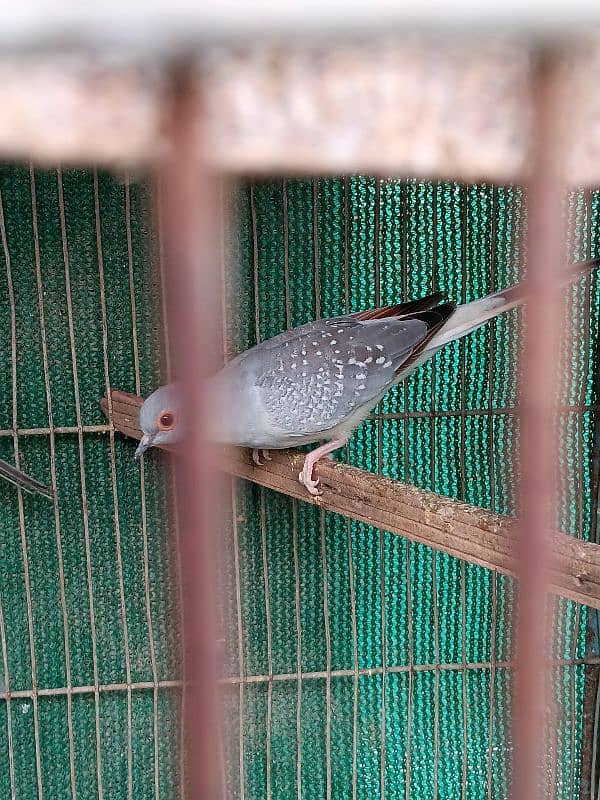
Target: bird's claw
(256,456)
(307,480)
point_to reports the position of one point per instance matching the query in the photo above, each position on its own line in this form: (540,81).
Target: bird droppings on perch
(473,534)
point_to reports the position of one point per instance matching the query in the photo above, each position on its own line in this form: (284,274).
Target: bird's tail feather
(471,316)
(25,482)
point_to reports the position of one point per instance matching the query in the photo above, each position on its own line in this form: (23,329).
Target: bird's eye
(166,421)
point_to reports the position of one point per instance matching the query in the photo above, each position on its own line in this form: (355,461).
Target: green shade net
(89,596)
(87,599)
(403,654)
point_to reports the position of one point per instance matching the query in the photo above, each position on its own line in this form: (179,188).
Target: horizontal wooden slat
(421,105)
(465,531)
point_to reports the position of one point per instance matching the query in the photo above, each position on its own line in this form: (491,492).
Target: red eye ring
(166,421)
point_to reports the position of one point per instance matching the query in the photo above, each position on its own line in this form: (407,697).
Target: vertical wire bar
(145,555)
(463,441)
(240,628)
(298,653)
(263,524)
(591,685)
(114,487)
(190,252)
(379,422)
(407,546)
(327,658)
(84,501)
(589,283)
(493,577)
(288,323)
(225,220)
(537,451)
(232,506)
(57,523)
(322,526)
(349,529)
(22,527)
(174,509)
(434,555)
(9,735)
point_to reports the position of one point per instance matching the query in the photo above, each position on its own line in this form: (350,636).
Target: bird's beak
(146,442)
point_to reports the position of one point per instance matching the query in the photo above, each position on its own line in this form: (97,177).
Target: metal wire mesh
(356,664)
(362,665)
(88,585)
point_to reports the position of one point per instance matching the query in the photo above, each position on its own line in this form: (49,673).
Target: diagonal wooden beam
(465,531)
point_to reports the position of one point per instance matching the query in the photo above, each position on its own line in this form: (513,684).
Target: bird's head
(160,418)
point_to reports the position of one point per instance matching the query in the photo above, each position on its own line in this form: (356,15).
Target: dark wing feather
(401,309)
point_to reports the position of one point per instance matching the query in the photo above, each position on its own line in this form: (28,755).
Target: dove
(23,481)
(318,382)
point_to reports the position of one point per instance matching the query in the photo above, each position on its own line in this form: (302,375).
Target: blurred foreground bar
(420,105)
(467,532)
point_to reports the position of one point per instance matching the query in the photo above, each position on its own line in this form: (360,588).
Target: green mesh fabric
(88,588)
(361,665)
(402,652)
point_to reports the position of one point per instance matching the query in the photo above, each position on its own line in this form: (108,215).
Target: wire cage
(354,662)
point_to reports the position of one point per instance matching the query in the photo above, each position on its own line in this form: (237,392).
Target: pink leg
(305,477)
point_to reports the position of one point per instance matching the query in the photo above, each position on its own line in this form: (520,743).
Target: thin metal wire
(434,555)
(113,472)
(408,669)
(349,525)
(288,322)
(174,506)
(144,515)
(579,485)
(322,525)
(379,423)
(298,653)
(240,632)
(407,545)
(464,199)
(84,502)
(263,526)
(57,524)
(102,688)
(6,432)
(7,697)
(327,657)
(234,520)
(24,545)
(492,467)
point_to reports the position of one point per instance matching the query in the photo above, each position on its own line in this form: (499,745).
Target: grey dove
(321,380)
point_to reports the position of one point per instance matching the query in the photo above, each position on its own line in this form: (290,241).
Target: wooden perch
(467,532)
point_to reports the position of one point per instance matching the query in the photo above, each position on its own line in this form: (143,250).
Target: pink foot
(256,456)
(306,476)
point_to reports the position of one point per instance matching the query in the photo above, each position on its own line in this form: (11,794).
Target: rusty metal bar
(190,255)
(532,710)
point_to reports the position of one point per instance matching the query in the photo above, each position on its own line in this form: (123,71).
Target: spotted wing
(311,379)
